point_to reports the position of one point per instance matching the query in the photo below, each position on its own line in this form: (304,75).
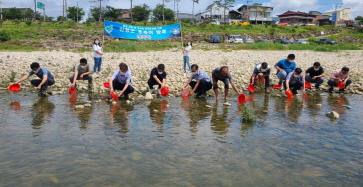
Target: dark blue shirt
(155,71)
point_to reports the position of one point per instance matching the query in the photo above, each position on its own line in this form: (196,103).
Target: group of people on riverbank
(290,76)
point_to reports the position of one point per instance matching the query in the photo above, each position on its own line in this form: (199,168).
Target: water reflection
(41,111)
(196,110)
(313,102)
(293,109)
(119,114)
(15,106)
(219,123)
(336,103)
(157,111)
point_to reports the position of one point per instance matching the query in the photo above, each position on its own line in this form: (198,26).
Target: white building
(213,12)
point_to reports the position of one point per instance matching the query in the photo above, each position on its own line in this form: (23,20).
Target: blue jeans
(281,76)
(186,61)
(318,80)
(98,62)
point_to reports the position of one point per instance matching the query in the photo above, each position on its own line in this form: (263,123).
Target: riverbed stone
(332,115)
(148,96)
(78,107)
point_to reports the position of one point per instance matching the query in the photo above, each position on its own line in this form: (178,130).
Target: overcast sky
(54,7)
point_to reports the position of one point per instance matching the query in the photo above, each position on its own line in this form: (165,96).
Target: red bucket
(251,88)
(72,90)
(106,84)
(164,91)
(341,85)
(277,87)
(185,93)
(114,96)
(14,87)
(307,84)
(242,99)
(289,94)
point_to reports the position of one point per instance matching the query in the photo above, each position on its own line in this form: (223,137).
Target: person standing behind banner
(186,54)
(97,55)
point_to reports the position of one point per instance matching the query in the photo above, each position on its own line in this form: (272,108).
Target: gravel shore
(241,64)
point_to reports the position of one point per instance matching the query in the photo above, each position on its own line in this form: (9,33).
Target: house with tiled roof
(291,17)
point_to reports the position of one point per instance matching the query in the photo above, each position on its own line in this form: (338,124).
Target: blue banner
(119,30)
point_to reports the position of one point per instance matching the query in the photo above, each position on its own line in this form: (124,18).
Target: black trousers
(118,86)
(203,87)
(294,87)
(152,82)
(36,82)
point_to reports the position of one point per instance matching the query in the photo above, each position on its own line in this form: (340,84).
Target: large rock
(332,115)
(148,96)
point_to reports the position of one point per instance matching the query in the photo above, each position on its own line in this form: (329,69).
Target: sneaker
(42,93)
(127,96)
(204,95)
(330,90)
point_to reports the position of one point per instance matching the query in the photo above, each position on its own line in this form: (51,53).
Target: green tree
(141,12)
(13,13)
(225,4)
(158,13)
(60,18)
(112,12)
(359,18)
(72,13)
(95,12)
(256,5)
(101,13)
(47,18)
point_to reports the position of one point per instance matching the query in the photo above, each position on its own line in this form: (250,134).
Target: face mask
(263,70)
(343,74)
(290,61)
(123,73)
(83,67)
(296,76)
(160,73)
(316,69)
(97,42)
(193,73)
(36,71)
(188,43)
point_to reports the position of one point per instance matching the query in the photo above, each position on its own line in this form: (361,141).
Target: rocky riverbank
(241,64)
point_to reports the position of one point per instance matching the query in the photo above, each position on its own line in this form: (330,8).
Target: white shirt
(187,50)
(97,48)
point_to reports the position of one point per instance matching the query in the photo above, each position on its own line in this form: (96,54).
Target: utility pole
(66,10)
(336,13)
(1,9)
(177,10)
(77,11)
(63,10)
(248,16)
(35,10)
(44,11)
(132,19)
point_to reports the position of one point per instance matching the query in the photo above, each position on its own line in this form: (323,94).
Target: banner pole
(181,35)
(103,33)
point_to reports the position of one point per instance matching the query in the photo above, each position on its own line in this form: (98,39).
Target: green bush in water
(247,115)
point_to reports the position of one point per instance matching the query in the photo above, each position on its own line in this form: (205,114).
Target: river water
(46,142)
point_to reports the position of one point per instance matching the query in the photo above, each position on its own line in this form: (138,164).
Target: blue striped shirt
(201,75)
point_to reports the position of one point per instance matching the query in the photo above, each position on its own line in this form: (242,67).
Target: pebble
(208,106)
(227,104)
(128,102)
(79,106)
(148,96)
(87,105)
(332,115)
(318,105)
(114,102)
